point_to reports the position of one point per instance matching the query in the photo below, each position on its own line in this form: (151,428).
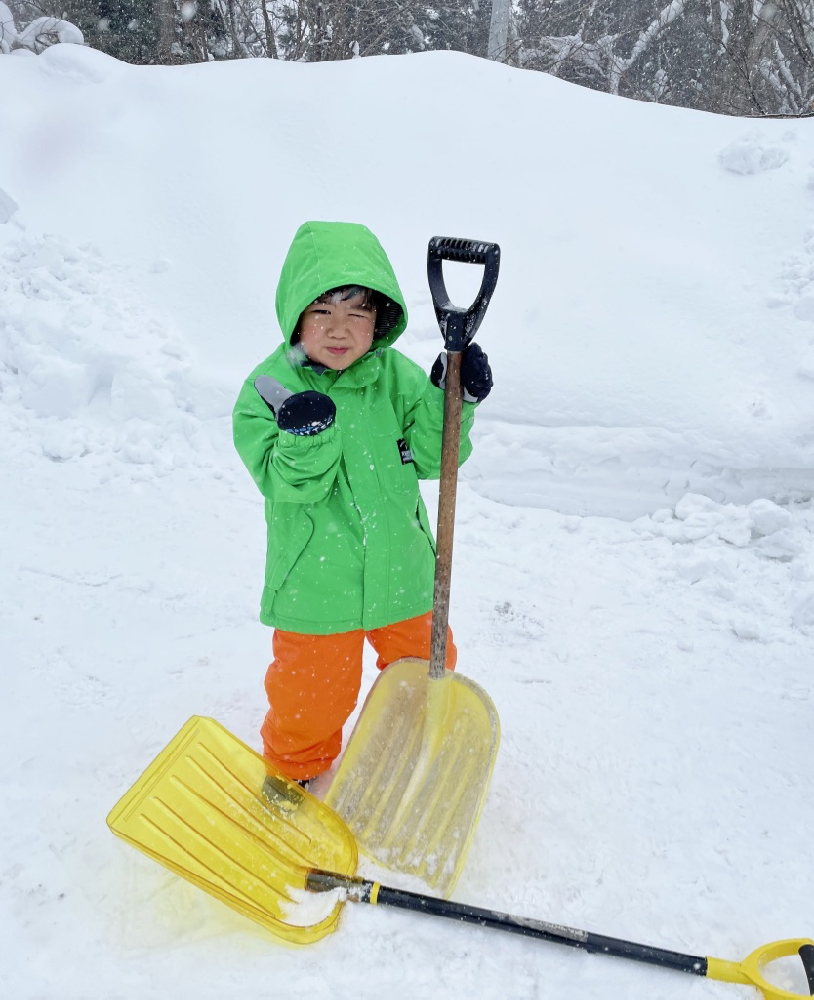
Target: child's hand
(306,413)
(476,375)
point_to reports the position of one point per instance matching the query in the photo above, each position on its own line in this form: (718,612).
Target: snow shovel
(748,972)
(413,779)
(215,812)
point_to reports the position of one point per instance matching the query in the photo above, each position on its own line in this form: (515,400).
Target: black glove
(306,413)
(476,375)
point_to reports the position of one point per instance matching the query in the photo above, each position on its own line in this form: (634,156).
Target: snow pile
(754,563)
(89,371)
(752,154)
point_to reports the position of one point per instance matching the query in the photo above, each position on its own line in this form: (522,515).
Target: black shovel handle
(360,890)
(458,325)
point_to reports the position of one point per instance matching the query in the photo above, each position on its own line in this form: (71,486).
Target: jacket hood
(326,255)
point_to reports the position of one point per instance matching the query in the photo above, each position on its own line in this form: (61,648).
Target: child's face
(337,332)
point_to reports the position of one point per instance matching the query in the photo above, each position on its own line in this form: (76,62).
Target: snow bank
(87,371)
(651,331)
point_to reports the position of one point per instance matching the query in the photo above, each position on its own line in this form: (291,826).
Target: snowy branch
(38,35)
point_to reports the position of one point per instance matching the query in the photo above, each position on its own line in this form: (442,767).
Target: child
(336,428)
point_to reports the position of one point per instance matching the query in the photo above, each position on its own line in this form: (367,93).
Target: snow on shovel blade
(200,809)
(411,788)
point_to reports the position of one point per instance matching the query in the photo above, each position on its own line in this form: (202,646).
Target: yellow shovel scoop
(413,779)
(215,812)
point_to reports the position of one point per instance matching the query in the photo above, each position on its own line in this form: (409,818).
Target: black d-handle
(459,326)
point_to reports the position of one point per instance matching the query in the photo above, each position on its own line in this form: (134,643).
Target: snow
(37,35)
(750,155)
(634,571)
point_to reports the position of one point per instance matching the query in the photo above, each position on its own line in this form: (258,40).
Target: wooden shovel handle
(450,447)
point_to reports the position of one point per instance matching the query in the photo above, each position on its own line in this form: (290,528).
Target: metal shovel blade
(215,812)
(411,787)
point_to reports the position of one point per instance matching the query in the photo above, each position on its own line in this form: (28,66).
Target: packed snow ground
(634,574)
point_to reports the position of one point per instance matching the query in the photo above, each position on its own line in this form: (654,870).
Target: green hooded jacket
(349,545)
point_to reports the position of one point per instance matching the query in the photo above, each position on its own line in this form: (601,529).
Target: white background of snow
(649,649)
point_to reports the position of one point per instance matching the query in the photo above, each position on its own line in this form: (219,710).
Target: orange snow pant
(313,683)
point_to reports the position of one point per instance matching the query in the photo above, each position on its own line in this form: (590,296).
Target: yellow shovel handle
(750,970)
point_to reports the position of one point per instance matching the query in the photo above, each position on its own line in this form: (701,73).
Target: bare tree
(504,43)
(747,57)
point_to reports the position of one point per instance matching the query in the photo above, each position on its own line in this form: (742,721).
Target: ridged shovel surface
(200,810)
(411,794)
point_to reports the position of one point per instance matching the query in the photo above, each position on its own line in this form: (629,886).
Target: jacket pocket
(424,521)
(290,530)
(394,465)
(392,458)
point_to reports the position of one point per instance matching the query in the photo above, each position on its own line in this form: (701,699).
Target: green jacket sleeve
(423,421)
(286,467)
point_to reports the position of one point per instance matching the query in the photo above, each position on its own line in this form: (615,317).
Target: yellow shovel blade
(414,776)
(200,810)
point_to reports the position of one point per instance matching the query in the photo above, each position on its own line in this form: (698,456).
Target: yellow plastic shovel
(212,810)
(218,814)
(413,779)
